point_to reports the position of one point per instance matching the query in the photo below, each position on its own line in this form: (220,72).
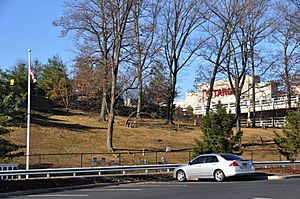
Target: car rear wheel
(219,175)
(181,177)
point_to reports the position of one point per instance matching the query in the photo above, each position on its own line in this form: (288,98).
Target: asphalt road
(261,189)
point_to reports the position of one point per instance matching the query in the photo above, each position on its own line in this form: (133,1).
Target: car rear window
(231,157)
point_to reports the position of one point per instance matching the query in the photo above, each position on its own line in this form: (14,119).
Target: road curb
(283,177)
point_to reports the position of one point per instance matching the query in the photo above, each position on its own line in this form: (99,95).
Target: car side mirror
(189,163)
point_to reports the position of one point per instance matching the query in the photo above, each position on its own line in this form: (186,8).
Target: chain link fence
(128,158)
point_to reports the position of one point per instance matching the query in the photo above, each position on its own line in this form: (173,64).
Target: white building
(265,95)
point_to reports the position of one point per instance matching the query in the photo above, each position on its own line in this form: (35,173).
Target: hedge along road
(257,189)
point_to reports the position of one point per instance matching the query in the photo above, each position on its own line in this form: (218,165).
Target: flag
(32,76)
(11,82)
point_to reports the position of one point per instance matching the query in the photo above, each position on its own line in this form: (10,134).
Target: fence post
(279,157)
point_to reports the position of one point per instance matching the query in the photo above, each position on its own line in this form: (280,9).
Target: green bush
(217,134)
(288,143)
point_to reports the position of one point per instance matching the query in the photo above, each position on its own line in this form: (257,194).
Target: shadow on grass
(57,123)
(44,118)
(164,125)
(259,144)
(73,127)
(58,111)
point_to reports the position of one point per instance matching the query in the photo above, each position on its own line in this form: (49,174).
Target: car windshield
(231,157)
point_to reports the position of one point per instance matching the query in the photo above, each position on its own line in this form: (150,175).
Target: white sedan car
(217,166)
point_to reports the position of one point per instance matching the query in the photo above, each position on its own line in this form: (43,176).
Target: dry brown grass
(81,132)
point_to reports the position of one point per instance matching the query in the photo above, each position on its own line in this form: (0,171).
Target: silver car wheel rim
(219,175)
(180,176)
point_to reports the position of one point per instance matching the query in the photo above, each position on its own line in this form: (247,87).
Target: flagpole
(28,113)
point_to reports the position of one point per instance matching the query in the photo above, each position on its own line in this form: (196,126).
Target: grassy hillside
(81,132)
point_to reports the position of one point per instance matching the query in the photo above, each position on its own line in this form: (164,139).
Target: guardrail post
(80,159)
(48,175)
(251,152)
(40,161)
(156,157)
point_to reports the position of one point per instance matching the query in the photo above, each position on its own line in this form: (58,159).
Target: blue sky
(28,24)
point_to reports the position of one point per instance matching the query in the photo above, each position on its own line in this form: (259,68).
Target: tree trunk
(140,94)
(110,129)
(172,97)
(286,77)
(136,13)
(111,119)
(253,86)
(169,99)
(238,118)
(103,106)
(253,99)
(211,88)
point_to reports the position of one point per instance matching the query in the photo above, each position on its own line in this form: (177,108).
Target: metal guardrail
(115,169)
(280,163)
(88,170)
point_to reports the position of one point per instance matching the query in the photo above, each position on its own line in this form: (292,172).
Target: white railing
(8,167)
(277,122)
(246,105)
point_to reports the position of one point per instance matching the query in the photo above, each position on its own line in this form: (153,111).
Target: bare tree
(100,27)
(119,13)
(145,14)
(288,39)
(181,19)
(259,24)
(90,25)
(219,27)
(90,81)
(156,90)
(237,62)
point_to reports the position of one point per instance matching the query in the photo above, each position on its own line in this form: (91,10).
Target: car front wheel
(181,176)
(219,175)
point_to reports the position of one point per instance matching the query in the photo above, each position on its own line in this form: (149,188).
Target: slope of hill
(72,132)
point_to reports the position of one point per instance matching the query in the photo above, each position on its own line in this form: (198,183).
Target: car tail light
(234,164)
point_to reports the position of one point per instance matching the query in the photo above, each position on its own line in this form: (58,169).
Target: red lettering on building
(221,92)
